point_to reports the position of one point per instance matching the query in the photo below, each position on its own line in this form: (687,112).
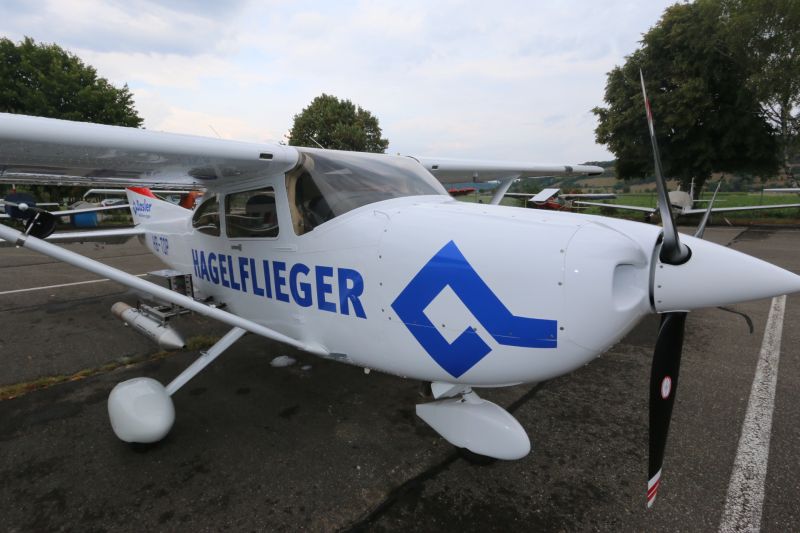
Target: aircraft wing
(62,152)
(742,208)
(589,196)
(544,195)
(626,207)
(464,170)
(67,212)
(95,235)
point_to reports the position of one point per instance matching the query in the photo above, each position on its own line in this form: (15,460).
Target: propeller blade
(42,225)
(672,251)
(663,385)
(702,227)
(38,222)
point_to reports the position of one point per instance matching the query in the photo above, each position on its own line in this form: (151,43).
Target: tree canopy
(765,36)
(708,116)
(338,125)
(47,81)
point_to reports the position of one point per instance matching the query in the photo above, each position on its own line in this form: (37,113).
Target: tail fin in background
(147,208)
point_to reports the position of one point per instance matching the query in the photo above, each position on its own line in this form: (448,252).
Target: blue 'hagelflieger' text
(337,290)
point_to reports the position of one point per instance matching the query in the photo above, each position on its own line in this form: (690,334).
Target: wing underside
(466,170)
(620,206)
(742,208)
(61,152)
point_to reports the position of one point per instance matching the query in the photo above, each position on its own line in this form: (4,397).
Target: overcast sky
(487,79)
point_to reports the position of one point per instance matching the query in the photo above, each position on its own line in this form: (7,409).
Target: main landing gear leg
(141,409)
(466,420)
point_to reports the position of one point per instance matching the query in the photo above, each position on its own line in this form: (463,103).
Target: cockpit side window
(327,184)
(206,217)
(251,214)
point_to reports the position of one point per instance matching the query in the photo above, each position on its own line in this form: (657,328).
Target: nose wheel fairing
(482,427)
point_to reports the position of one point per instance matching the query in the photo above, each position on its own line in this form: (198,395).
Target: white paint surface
(745,500)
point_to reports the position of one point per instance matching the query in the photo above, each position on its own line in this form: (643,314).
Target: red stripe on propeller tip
(651,492)
(652,488)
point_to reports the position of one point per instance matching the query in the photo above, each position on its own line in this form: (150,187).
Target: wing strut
(205,359)
(156,291)
(141,409)
(502,189)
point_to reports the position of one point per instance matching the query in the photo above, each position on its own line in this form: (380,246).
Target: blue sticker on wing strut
(449,267)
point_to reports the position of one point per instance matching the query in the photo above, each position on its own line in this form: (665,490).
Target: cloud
(172,27)
(168,70)
(165,115)
(465,79)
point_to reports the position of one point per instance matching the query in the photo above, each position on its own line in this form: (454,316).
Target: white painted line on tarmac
(745,500)
(16,291)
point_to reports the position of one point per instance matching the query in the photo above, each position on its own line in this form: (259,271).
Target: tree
(765,36)
(47,81)
(337,124)
(707,118)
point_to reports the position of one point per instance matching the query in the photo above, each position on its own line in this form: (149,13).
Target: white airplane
(795,188)
(682,203)
(23,206)
(554,199)
(365,259)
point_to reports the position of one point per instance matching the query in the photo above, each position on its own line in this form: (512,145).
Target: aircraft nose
(716,275)
(606,281)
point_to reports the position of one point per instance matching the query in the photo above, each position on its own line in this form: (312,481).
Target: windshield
(328,184)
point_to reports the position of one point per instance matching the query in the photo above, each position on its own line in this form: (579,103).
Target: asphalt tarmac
(322,446)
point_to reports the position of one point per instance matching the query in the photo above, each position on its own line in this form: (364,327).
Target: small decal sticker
(666,387)
(142,208)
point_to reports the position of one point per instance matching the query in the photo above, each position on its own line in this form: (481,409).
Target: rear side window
(251,214)
(206,217)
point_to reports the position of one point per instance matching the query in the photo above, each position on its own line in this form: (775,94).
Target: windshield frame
(326,184)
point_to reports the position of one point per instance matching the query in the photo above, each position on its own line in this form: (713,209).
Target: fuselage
(421,286)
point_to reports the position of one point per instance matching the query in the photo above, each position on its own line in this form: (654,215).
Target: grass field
(733,199)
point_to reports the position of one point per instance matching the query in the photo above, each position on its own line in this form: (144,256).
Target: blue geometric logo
(450,268)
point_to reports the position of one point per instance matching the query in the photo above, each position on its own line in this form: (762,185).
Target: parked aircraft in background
(794,188)
(461,191)
(12,196)
(24,207)
(365,259)
(682,204)
(554,200)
